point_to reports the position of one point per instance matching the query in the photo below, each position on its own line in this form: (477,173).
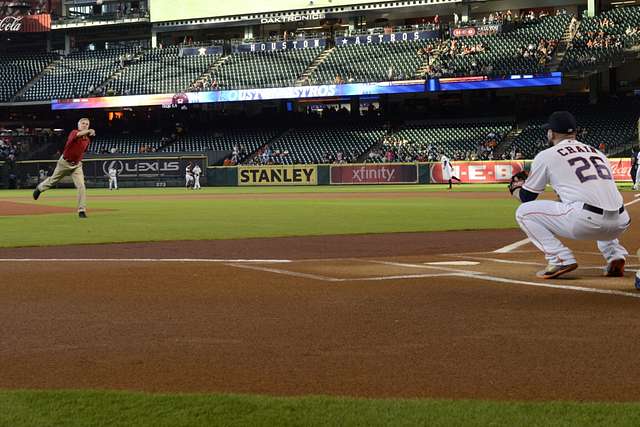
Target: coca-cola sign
(11,23)
(26,24)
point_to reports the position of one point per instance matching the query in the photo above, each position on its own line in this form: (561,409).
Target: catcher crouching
(590,205)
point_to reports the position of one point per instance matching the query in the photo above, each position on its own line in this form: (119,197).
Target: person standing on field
(113,178)
(70,163)
(447,171)
(196,177)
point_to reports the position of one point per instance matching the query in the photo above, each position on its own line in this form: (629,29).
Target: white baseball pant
(113,182)
(543,220)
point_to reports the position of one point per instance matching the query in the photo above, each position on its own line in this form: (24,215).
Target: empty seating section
(502,51)
(371,63)
(280,68)
(224,140)
(18,70)
(316,145)
(75,75)
(601,39)
(613,129)
(160,71)
(124,144)
(450,138)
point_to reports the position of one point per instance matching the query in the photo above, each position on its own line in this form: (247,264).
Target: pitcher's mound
(12,208)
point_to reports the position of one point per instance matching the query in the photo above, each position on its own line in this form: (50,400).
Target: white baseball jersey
(196,170)
(447,168)
(578,173)
(112,172)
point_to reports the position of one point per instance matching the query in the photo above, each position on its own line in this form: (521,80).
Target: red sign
(476,172)
(374,174)
(502,171)
(621,169)
(26,24)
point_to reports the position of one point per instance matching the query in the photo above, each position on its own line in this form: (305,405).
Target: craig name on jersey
(577,172)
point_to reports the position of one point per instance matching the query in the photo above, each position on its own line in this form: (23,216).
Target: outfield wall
(486,172)
(147,171)
(169,171)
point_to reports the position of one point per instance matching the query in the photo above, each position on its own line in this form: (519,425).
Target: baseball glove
(517,181)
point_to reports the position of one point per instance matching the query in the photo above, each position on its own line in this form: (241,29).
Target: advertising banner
(479,172)
(621,169)
(480,30)
(387,38)
(25,24)
(141,167)
(201,51)
(374,173)
(295,92)
(281,45)
(278,175)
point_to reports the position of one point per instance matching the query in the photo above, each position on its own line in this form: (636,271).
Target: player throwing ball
(70,163)
(590,206)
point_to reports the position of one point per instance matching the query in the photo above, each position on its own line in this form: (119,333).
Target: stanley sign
(278,175)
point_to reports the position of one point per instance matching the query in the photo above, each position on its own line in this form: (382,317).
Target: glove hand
(517,181)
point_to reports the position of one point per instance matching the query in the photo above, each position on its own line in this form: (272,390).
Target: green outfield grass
(93,408)
(155,214)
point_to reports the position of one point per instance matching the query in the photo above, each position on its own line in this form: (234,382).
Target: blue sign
(201,51)
(323,91)
(484,82)
(282,45)
(387,38)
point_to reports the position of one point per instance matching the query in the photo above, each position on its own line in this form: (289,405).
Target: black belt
(69,161)
(599,211)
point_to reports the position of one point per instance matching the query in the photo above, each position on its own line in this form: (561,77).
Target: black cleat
(82,214)
(36,194)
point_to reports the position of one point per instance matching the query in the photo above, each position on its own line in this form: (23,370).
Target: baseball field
(367,305)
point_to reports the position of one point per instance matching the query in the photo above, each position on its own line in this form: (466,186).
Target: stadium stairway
(116,74)
(52,65)
(210,72)
(305,77)
(564,45)
(506,143)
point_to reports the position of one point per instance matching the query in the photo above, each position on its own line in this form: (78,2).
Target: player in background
(196,177)
(638,274)
(113,178)
(635,165)
(447,170)
(70,163)
(590,206)
(188,176)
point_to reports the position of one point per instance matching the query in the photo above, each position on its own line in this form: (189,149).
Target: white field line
(285,272)
(265,261)
(551,285)
(516,245)
(335,279)
(509,248)
(408,276)
(422,266)
(501,261)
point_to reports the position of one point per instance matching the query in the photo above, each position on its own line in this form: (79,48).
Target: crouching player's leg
(542,221)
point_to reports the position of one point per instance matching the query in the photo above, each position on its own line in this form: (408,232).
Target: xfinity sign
(283,19)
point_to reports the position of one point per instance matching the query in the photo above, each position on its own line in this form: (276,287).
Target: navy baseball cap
(561,122)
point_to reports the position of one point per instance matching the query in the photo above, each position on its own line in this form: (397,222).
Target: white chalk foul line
(335,279)
(516,245)
(265,261)
(551,285)
(422,266)
(511,247)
